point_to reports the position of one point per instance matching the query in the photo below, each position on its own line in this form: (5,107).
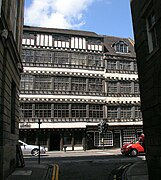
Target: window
(108,139)
(42,82)
(136,88)
(13,106)
(42,110)
(94,60)
(26,82)
(125,87)
(125,66)
(78,110)
(61,83)
(60,58)
(61,110)
(78,84)
(135,67)
(128,136)
(96,111)
(95,85)
(42,56)
(111,65)
(151,31)
(121,47)
(125,112)
(138,113)
(25,110)
(27,56)
(78,59)
(112,87)
(112,112)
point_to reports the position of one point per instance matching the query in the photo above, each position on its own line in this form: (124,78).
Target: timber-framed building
(71,81)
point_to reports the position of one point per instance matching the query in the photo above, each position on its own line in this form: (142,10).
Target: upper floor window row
(122,65)
(45,40)
(120,47)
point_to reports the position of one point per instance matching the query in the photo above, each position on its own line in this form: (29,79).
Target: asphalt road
(89,165)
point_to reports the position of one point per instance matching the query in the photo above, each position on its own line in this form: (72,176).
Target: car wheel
(133,152)
(35,152)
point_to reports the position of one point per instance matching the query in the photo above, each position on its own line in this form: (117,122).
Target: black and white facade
(71,81)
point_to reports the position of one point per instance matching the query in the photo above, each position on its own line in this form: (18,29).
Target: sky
(104,17)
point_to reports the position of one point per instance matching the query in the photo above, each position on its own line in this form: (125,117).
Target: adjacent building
(71,81)
(11,24)
(147,22)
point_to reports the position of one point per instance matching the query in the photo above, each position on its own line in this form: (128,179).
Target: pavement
(137,171)
(35,171)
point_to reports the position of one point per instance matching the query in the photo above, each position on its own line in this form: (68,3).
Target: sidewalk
(137,171)
(32,172)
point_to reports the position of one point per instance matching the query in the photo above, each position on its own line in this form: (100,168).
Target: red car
(135,147)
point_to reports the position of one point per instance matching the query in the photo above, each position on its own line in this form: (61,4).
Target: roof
(61,31)
(110,40)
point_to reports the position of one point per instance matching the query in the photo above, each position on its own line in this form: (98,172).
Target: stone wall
(149,68)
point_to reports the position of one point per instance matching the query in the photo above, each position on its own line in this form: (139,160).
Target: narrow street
(95,165)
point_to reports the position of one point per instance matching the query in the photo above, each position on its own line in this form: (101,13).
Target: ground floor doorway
(55,142)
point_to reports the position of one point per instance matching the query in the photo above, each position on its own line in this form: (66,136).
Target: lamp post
(39,122)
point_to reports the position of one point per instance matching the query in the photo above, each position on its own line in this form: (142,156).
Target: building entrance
(116,139)
(55,142)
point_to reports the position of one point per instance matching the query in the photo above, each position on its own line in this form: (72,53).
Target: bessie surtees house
(71,81)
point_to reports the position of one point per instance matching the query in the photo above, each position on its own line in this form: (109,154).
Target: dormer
(120,47)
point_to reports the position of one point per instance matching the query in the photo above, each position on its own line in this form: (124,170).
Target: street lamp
(39,122)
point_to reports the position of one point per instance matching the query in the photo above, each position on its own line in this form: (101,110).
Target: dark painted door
(116,140)
(55,142)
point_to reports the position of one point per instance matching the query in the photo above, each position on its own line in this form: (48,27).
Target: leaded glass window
(61,83)
(42,110)
(96,111)
(95,85)
(78,59)
(43,82)
(126,66)
(42,56)
(125,112)
(111,65)
(78,110)
(112,87)
(27,55)
(138,113)
(26,82)
(112,112)
(61,110)
(94,60)
(136,88)
(125,87)
(25,110)
(121,47)
(78,84)
(60,58)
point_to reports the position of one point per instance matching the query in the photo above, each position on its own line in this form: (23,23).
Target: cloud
(65,14)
